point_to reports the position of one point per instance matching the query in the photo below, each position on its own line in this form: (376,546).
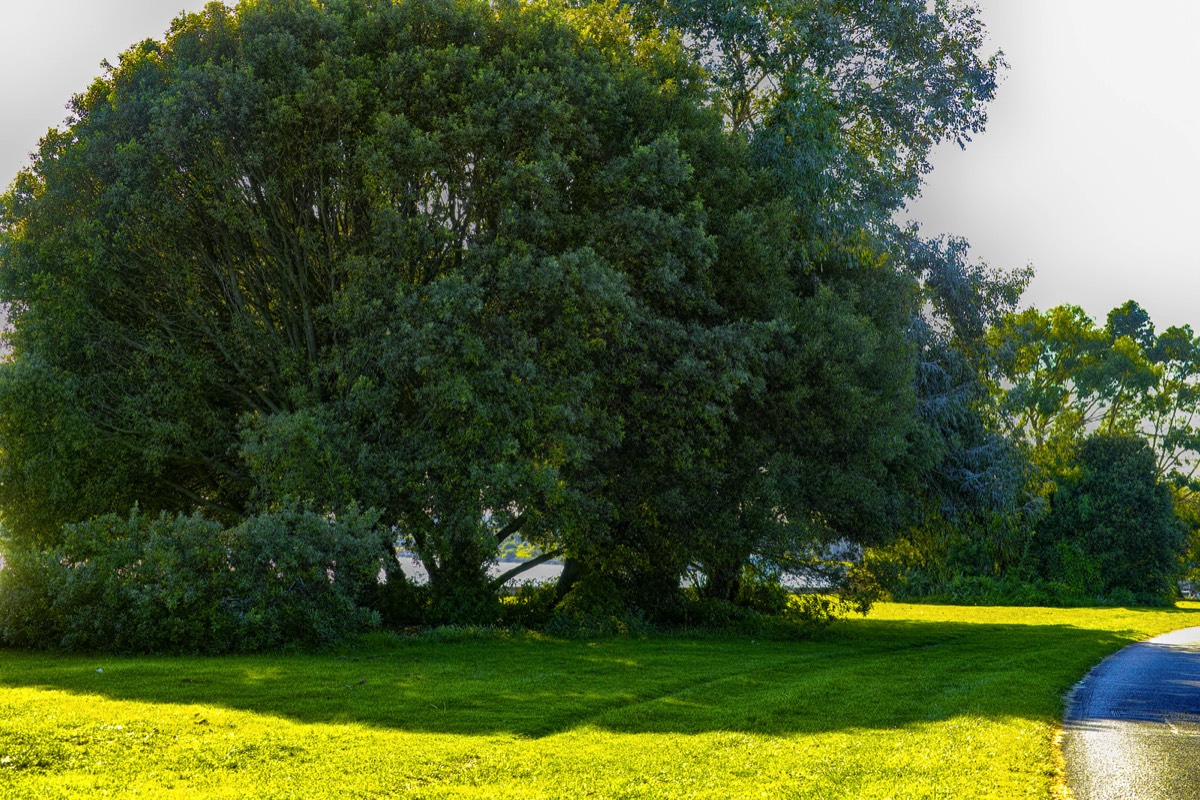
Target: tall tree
(1170,410)
(479,268)
(1048,395)
(1061,376)
(844,101)
(489,267)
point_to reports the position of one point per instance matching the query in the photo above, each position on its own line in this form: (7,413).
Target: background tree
(1060,376)
(1047,395)
(1113,526)
(1170,409)
(1057,379)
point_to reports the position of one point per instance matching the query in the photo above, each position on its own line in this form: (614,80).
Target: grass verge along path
(913,701)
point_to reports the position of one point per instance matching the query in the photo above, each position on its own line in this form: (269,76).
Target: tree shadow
(869,674)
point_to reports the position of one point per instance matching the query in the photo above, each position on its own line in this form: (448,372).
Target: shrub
(26,605)
(402,603)
(764,595)
(1113,526)
(713,613)
(816,611)
(594,607)
(187,584)
(530,606)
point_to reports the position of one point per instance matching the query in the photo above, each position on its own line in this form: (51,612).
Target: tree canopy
(1061,375)
(1103,418)
(1112,525)
(620,277)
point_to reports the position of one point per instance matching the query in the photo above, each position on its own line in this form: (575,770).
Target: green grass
(913,701)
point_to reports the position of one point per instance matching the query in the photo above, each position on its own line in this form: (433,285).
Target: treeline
(306,280)
(1105,420)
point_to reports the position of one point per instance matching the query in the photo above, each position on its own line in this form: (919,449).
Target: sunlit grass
(914,701)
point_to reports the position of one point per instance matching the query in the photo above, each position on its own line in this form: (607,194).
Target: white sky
(1089,169)
(52,49)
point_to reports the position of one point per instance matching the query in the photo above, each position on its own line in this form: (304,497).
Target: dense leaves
(187,584)
(848,97)
(622,278)
(1061,375)
(1104,417)
(1113,526)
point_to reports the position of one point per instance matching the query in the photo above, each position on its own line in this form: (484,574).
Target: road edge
(1060,787)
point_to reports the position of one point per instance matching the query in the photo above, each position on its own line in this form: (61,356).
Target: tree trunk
(573,570)
(723,581)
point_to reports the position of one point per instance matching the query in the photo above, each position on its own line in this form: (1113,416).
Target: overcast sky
(1089,169)
(52,49)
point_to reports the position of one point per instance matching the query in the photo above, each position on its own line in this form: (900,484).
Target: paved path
(1132,728)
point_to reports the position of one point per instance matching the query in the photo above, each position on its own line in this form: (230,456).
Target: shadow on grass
(868,674)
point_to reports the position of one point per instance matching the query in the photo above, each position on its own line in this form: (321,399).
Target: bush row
(187,584)
(982,590)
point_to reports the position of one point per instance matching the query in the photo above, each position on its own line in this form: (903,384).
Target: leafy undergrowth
(913,701)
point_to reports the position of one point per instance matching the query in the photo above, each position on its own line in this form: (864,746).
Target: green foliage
(188,584)
(401,604)
(529,607)
(1051,368)
(1114,526)
(798,617)
(55,467)
(1060,376)
(621,277)
(843,102)
(1187,508)
(848,98)
(595,606)
(813,612)
(764,596)
(1056,379)
(515,549)
(1068,564)
(986,590)
(1012,590)
(1112,536)
(415,255)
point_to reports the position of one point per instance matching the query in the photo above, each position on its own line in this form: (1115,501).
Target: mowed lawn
(913,701)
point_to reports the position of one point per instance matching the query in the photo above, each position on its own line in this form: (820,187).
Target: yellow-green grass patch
(913,701)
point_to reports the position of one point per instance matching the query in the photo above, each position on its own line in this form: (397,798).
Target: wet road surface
(1132,727)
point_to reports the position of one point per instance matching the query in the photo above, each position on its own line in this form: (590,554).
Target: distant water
(414,570)
(548,573)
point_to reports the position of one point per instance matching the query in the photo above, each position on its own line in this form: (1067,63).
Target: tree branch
(505,577)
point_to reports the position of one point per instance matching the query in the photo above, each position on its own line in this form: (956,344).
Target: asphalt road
(1132,727)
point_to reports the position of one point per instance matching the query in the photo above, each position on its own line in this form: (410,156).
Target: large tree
(500,267)
(481,269)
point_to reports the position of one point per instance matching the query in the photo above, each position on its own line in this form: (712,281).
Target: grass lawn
(913,701)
